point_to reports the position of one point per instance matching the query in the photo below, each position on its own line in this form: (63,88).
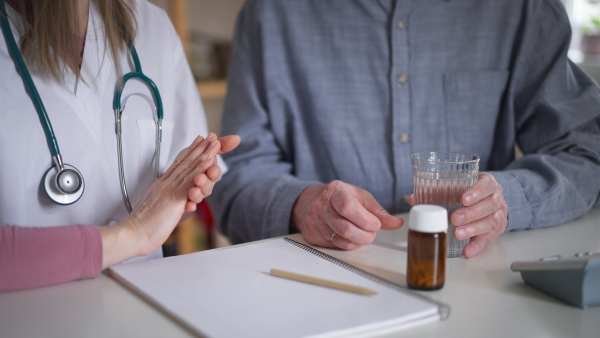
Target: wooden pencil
(321,282)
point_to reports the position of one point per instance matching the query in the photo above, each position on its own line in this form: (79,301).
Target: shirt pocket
(472,104)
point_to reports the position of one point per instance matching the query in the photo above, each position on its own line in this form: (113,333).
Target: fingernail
(460,233)
(458,218)
(466,253)
(211,137)
(468,199)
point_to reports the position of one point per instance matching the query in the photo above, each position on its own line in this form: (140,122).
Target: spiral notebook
(229,293)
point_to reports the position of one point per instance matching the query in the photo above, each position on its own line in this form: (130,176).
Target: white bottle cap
(428,218)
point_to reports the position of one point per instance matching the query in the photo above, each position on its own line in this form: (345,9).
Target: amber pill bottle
(426,262)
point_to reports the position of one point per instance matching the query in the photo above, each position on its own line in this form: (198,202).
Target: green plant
(592,27)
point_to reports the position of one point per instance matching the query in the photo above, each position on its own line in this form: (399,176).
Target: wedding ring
(332,235)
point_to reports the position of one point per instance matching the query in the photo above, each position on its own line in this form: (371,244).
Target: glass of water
(441,178)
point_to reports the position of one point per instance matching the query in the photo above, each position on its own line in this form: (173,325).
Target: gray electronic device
(574,279)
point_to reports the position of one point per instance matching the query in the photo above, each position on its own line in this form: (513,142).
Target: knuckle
(467,214)
(345,230)
(333,186)
(185,162)
(496,203)
(483,177)
(504,212)
(177,162)
(347,245)
(365,194)
(318,202)
(499,188)
(344,245)
(368,238)
(494,221)
(345,208)
(207,192)
(373,224)
(497,220)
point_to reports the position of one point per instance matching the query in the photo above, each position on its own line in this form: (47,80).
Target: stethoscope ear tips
(63,186)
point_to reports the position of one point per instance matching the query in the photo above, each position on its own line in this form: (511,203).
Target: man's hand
(483,217)
(340,215)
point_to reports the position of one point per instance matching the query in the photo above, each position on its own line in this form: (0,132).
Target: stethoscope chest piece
(63,186)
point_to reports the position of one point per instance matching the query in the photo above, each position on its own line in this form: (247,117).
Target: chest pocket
(472,103)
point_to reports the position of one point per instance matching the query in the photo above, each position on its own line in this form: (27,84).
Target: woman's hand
(204,182)
(187,181)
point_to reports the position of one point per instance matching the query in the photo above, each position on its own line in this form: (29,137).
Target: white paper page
(229,293)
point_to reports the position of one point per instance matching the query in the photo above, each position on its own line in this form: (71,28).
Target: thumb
(228,143)
(411,200)
(388,222)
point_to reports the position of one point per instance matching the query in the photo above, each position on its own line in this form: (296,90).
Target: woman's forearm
(32,257)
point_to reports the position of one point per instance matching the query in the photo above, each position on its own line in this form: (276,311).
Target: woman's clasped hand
(184,184)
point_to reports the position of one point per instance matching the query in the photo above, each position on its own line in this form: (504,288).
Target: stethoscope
(63,183)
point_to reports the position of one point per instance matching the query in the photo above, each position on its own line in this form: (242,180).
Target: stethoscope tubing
(138,73)
(118,110)
(29,85)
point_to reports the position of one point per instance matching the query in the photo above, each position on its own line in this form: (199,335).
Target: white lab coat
(83,121)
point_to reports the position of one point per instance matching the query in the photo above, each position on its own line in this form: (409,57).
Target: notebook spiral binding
(443,309)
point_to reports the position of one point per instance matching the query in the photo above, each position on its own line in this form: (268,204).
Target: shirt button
(402,78)
(400,24)
(403,138)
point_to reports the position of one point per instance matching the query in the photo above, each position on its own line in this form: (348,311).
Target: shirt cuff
(520,212)
(92,259)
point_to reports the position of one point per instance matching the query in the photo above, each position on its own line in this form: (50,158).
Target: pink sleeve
(36,257)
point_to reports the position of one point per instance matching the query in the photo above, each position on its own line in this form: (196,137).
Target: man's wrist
(300,208)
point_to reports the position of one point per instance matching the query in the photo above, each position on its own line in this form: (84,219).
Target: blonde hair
(52,26)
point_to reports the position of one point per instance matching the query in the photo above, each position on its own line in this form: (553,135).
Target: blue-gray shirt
(321,90)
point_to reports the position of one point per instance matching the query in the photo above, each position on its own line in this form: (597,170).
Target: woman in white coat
(76,52)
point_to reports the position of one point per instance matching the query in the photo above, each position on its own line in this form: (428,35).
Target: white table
(487,299)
